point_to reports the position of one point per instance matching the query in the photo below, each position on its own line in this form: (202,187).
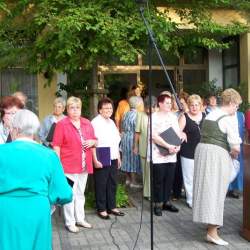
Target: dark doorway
(159,80)
(115,82)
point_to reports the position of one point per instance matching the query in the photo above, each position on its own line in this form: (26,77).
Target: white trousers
(74,211)
(187,166)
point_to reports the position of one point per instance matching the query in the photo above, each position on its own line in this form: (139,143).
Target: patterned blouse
(83,152)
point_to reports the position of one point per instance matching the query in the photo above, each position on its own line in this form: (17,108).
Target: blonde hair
(60,100)
(74,100)
(230,96)
(193,98)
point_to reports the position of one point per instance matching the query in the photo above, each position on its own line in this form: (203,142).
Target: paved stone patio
(171,231)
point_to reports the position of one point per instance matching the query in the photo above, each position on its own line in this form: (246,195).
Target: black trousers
(178,179)
(105,186)
(163,177)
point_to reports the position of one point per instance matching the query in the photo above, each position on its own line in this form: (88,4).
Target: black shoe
(158,211)
(188,205)
(233,195)
(104,217)
(116,213)
(169,207)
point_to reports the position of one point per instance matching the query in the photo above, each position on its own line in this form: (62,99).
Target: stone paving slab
(171,231)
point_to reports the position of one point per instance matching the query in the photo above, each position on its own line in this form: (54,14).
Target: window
(159,80)
(12,80)
(193,79)
(231,64)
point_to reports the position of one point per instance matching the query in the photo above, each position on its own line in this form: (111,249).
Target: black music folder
(50,135)
(103,155)
(169,136)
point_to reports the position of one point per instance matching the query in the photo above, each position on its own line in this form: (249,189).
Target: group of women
(210,140)
(208,146)
(33,176)
(77,141)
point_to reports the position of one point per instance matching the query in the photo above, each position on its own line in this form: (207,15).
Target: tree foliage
(65,35)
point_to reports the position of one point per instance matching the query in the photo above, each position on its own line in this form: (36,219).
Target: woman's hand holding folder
(97,164)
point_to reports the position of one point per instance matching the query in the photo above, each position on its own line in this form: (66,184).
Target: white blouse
(4,132)
(228,125)
(159,124)
(107,135)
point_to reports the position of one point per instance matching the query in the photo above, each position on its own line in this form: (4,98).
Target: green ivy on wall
(64,36)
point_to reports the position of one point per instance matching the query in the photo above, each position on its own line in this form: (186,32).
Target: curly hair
(230,96)
(192,98)
(9,102)
(102,102)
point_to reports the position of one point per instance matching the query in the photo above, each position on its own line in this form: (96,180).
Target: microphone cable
(142,196)
(145,160)
(111,235)
(141,213)
(141,210)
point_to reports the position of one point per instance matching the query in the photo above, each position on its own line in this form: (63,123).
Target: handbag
(235,169)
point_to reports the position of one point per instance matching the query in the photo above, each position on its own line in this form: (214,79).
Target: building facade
(225,67)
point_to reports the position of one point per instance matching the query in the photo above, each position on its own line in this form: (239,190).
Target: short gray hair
(153,102)
(135,101)
(60,100)
(26,122)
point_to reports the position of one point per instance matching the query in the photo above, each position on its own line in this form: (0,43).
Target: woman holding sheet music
(163,163)
(106,158)
(46,130)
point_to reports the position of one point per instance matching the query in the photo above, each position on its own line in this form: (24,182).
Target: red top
(68,139)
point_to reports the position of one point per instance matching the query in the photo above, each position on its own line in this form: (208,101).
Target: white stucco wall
(215,66)
(62,78)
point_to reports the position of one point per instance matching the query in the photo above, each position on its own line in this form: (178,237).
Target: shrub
(122,199)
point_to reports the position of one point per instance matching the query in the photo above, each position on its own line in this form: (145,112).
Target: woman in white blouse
(105,170)
(163,165)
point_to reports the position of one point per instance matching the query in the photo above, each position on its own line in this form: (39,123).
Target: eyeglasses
(75,108)
(9,113)
(108,108)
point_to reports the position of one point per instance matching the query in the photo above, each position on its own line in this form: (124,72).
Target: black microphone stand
(150,146)
(152,44)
